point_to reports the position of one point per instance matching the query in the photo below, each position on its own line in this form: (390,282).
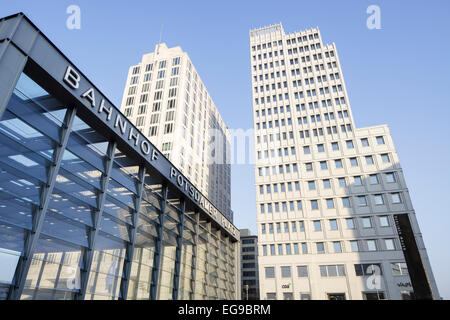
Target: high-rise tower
(333,208)
(166,99)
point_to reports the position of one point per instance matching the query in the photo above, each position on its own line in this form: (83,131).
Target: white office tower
(332,202)
(166,99)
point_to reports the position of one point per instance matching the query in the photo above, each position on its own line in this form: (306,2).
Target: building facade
(328,193)
(166,99)
(89,207)
(249,265)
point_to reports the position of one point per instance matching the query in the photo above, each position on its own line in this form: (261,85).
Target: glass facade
(82,219)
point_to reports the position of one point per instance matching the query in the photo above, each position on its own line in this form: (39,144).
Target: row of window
(296,72)
(294,61)
(317,225)
(324,165)
(397,268)
(315,118)
(362,201)
(326,183)
(162,64)
(301,95)
(304,59)
(272,137)
(323,247)
(298,39)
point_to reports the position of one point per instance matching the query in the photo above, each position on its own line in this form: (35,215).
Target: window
(368,269)
(346,202)
(294,226)
(271,296)
(314,205)
(307,150)
(301,225)
(320,148)
(305,296)
(399,269)
(338,163)
(350,223)
(390,244)
(334,146)
(309,167)
(354,245)
(384,221)
(371,245)
(286,272)
(333,224)
(362,201)
(364,142)
(302,271)
(357,181)
(373,179)
(350,144)
(330,204)
(407,295)
(320,247)
(342,182)
(296,251)
(390,177)
(311,185)
(380,140)
(326,184)
(369,160)
(304,248)
(353,162)
(385,158)
(323,165)
(317,225)
(367,222)
(396,197)
(270,272)
(378,199)
(337,246)
(280,249)
(332,271)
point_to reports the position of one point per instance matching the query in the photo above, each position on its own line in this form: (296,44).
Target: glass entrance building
(89,208)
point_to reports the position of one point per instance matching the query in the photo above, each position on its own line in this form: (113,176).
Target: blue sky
(397,75)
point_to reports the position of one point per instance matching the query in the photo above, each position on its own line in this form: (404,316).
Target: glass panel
(141,267)
(106,269)
(167,271)
(54,271)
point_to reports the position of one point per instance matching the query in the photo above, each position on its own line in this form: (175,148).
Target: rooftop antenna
(160,37)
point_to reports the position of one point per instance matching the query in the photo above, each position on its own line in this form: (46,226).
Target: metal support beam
(39,213)
(12,63)
(93,232)
(130,247)
(194,257)
(158,246)
(178,252)
(208,236)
